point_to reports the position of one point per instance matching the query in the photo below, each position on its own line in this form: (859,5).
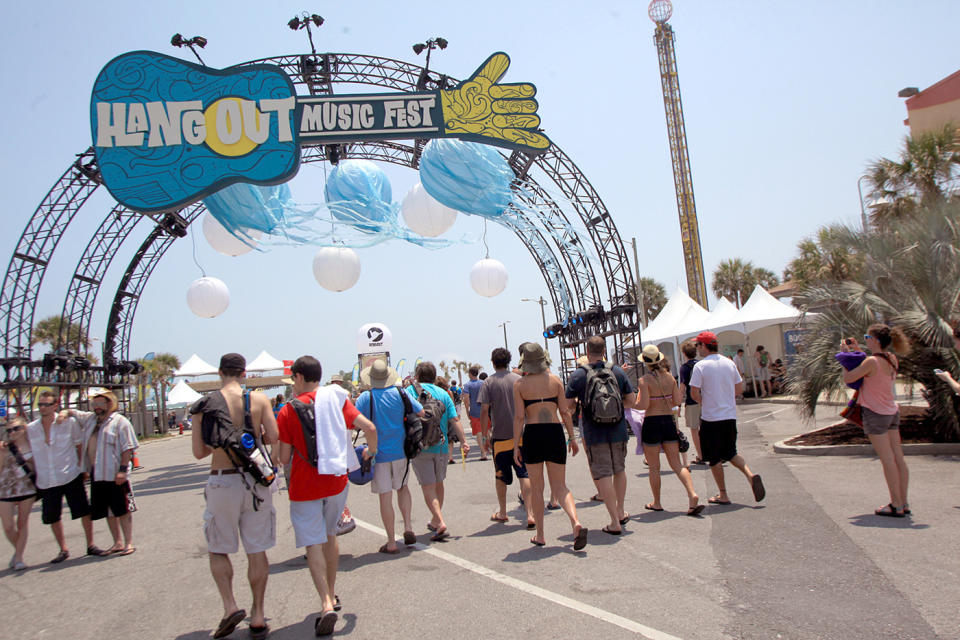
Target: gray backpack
(432,418)
(601,398)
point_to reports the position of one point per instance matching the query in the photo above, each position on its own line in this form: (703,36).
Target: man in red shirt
(319,493)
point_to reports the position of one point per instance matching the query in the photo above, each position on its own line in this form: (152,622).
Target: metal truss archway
(551,235)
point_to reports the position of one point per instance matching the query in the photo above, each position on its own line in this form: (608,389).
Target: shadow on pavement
(498,529)
(534,553)
(349,563)
(884,522)
(177,478)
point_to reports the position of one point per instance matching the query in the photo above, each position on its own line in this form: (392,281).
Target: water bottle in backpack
(260,467)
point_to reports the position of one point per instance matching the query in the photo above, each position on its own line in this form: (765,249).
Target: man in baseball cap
(715,384)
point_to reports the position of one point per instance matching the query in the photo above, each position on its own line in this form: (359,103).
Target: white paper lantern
(225,242)
(336,268)
(424,215)
(488,277)
(208,297)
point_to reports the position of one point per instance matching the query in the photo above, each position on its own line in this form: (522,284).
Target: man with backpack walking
(239,506)
(438,420)
(604,392)
(314,437)
(387,406)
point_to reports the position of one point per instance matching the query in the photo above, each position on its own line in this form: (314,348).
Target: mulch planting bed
(914,428)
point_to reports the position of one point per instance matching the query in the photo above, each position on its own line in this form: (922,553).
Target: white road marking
(766,415)
(526,587)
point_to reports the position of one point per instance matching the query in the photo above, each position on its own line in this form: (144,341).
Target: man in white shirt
(56,452)
(715,384)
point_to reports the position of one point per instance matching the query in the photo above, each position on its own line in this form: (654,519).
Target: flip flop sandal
(889,511)
(63,555)
(539,544)
(496,518)
(384,549)
(758,491)
(553,507)
(612,532)
(125,552)
(94,550)
(229,623)
(430,527)
(696,511)
(596,498)
(440,535)
(531,525)
(336,603)
(717,500)
(409,537)
(625,519)
(580,541)
(649,507)
(325,623)
(259,633)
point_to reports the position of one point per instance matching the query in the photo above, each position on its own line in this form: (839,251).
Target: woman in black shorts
(538,397)
(659,394)
(18,490)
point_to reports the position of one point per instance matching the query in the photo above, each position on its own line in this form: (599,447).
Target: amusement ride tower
(660,11)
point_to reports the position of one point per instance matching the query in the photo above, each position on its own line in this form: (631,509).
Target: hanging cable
(484,239)
(193,241)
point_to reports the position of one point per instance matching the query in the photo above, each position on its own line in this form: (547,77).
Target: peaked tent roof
(264,362)
(723,313)
(759,311)
(680,309)
(182,394)
(195,366)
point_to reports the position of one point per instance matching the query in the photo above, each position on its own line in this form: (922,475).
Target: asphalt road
(810,561)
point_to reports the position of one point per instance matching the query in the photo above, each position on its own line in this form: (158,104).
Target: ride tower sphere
(659,12)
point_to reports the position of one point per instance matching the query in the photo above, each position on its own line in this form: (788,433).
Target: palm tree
(653,296)
(157,373)
(911,279)
(924,176)
(461,366)
(765,278)
(824,259)
(734,279)
(48,331)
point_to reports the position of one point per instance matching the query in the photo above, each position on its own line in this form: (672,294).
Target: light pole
(641,303)
(543,316)
(504,325)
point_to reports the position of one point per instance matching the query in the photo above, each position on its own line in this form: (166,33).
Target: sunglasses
(866,337)
(13,429)
(46,404)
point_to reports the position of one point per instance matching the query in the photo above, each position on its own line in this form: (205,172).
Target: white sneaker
(19,566)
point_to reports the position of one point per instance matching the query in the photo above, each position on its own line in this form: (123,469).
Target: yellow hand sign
(480,107)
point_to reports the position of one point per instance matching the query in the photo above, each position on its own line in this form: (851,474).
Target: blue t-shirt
(449,414)
(388,418)
(473,388)
(594,433)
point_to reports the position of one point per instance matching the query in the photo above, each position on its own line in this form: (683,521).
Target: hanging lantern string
(484,238)
(193,241)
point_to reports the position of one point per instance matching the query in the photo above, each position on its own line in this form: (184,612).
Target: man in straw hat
(715,384)
(605,444)
(384,406)
(108,445)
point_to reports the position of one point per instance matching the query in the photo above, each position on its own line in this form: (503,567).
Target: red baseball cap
(706,337)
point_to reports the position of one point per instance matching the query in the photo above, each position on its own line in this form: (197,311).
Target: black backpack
(412,427)
(308,423)
(432,418)
(601,397)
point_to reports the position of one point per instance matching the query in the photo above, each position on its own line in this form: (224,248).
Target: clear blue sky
(785,104)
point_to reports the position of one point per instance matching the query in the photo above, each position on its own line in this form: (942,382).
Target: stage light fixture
(177,40)
(441,42)
(418,48)
(294,24)
(316,20)
(200,41)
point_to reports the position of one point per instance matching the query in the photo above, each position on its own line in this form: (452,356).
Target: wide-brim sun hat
(533,359)
(651,355)
(379,375)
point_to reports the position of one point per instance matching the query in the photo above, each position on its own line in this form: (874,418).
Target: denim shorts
(877,424)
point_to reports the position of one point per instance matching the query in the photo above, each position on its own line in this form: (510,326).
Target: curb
(915,449)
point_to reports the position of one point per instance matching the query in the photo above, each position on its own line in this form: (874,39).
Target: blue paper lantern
(466,176)
(358,193)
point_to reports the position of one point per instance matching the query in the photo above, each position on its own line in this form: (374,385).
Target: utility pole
(543,317)
(504,325)
(638,292)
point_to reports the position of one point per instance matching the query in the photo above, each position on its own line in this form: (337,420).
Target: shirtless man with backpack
(239,507)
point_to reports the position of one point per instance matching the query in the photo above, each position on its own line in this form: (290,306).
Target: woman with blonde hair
(541,412)
(18,489)
(659,394)
(881,415)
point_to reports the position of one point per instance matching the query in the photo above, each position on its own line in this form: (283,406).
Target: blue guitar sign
(168,132)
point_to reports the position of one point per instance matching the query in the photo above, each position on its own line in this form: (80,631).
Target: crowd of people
(525,418)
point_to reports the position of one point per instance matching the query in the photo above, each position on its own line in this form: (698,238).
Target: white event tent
(195,366)
(182,395)
(265,362)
